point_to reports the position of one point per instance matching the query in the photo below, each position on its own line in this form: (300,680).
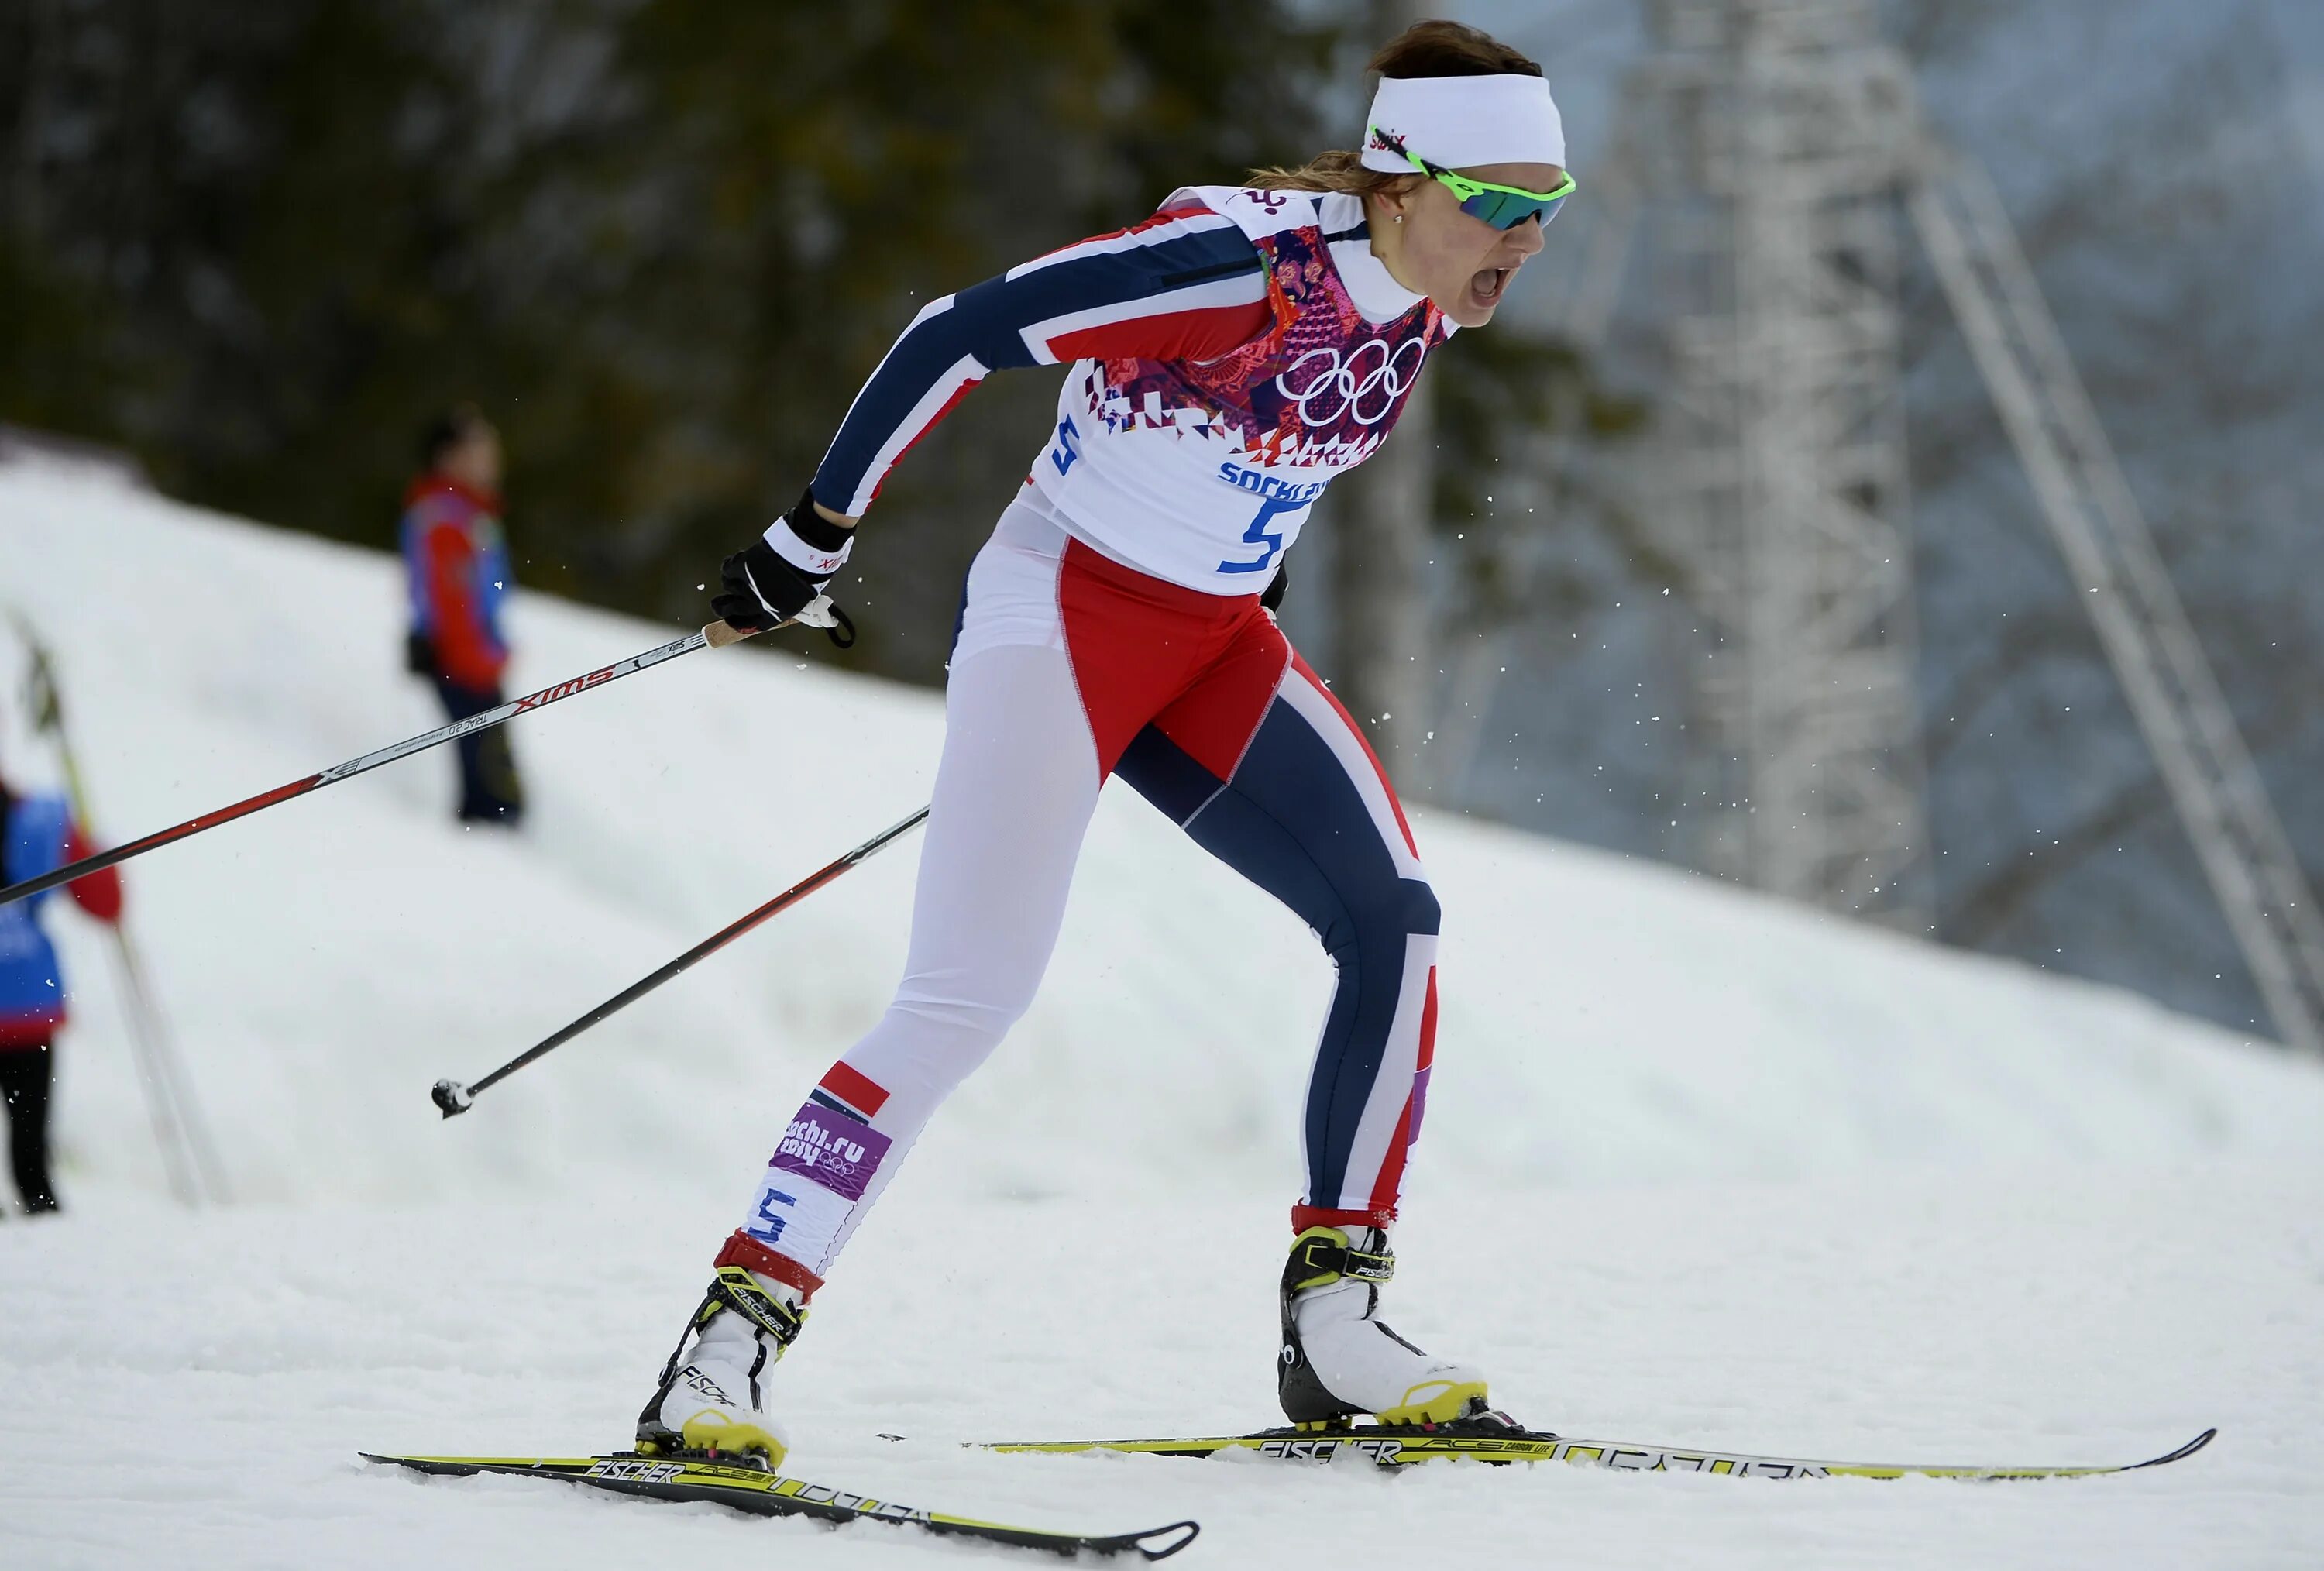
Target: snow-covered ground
(1699,1168)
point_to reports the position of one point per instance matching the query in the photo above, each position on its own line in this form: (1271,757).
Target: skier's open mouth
(1485,289)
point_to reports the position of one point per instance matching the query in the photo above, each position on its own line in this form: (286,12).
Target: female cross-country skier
(1228,355)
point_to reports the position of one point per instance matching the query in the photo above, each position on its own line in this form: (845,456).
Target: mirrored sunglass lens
(1507,209)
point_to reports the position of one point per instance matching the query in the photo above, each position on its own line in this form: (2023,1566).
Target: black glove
(1271,597)
(780,576)
(419,653)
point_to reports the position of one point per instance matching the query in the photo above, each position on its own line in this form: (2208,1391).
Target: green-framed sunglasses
(1502,207)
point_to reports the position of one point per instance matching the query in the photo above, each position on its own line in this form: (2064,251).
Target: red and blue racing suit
(1230,355)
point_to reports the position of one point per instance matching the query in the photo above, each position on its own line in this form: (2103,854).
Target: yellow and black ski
(1400,1446)
(770,1494)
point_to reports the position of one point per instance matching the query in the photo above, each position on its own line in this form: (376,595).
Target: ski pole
(455,1097)
(717,635)
(178,1161)
(188,1159)
(153,1040)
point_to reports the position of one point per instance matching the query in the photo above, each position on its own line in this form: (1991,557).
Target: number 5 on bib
(1270,541)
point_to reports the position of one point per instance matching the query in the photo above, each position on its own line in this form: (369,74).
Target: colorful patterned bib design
(1161,463)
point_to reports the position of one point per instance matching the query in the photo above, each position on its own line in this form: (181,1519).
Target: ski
(1401,1445)
(770,1494)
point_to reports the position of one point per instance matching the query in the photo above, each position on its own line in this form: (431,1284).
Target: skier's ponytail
(1425,49)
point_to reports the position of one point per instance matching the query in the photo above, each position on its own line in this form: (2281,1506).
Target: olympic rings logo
(1368,389)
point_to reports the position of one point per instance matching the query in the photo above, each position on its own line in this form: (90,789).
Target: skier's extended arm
(1187,284)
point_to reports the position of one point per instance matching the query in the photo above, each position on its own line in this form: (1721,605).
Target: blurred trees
(661,241)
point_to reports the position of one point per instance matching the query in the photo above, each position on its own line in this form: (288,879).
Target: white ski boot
(1339,1359)
(711,1401)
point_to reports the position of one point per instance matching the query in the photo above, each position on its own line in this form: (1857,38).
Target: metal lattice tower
(1778,135)
(2111,554)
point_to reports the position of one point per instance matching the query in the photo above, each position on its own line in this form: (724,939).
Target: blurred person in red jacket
(37,835)
(455,568)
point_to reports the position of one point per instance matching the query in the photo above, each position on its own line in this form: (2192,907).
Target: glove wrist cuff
(810,542)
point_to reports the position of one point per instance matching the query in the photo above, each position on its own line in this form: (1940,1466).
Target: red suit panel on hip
(1214,721)
(1139,644)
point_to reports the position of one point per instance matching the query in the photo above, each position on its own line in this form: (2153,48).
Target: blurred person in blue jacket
(455,568)
(37,835)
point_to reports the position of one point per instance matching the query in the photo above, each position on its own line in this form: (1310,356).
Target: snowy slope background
(1698,1167)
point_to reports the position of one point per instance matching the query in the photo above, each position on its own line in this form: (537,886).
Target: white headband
(1462,122)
